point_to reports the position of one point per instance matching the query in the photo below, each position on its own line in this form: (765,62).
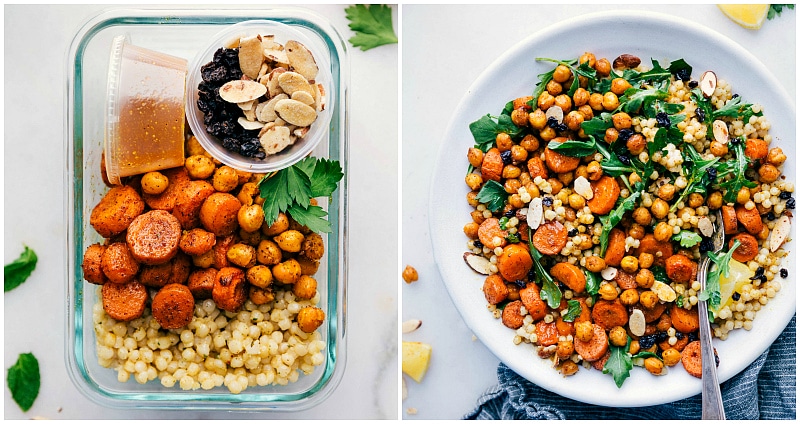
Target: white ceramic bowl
(318,131)
(514,74)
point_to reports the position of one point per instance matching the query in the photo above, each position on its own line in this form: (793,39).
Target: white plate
(514,74)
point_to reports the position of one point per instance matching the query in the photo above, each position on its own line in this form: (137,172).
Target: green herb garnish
(372,25)
(696,173)
(711,293)
(549,292)
(574,148)
(573,311)
(485,130)
(687,238)
(776,9)
(619,363)
(731,173)
(23,380)
(291,189)
(493,195)
(18,271)
(612,219)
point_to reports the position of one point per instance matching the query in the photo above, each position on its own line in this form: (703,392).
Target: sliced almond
(264,70)
(251,56)
(273,87)
(278,56)
(301,59)
(319,97)
(705,226)
(268,42)
(241,91)
(303,97)
(411,325)
(275,139)
(248,104)
(250,115)
(708,83)
(720,129)
(584,188)
(535,213)
(267,113)
(556,113)
(295,113)
(608,273)
(266,128)
(478,263)
(664,291)
(300,132)
(779,233)
(250,125)
(637,323)
(292,81)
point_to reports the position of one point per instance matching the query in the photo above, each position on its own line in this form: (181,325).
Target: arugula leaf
(680,65)
(644,354)
(573,311)
(512,238)
(372,25)
(776,9)
(735,168)
(24,380)
(659,273)
(655,74)
(687,238)
(574,148)
(549,292)
(711,294)
(503,222)
(698,178)
(619,363)
(17,272)
(614,217)
(634,98)
(734,108)
(611,164)
(598,125)
(592,283)
(493,194)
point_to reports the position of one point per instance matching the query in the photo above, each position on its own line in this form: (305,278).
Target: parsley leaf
(493,194)
(291,190)
(18,271)
(24,380)
(687,238)
(776,9)
(573,311)
(484,131)
(619,363)
(372,25)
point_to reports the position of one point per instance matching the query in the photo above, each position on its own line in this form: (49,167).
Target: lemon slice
(750,16)
(416,357)
(738,276)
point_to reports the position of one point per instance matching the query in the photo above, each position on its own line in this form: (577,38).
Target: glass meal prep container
(181,33)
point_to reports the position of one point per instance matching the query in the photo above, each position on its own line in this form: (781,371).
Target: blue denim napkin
(764,390)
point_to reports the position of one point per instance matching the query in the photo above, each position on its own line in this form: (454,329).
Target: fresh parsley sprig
(18,271)
(24,380)
(549,292)
(687,238)
(493,195)
(372,25)
(291,189)
(485,130)
(776,9)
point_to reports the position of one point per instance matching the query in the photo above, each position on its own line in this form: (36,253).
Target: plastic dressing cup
(145,114)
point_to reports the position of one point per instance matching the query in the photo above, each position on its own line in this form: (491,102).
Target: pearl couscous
(596,197)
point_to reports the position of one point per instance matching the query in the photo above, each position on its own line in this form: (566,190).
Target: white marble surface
(36,43)
(445,48)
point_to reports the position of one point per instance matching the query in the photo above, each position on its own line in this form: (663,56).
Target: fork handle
(711,394)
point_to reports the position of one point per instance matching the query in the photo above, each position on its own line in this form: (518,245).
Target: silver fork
(712,397)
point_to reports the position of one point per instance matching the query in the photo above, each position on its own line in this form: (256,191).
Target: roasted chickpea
(545,100)
(225,179)
(516,201)
(547,133)
(154,182)
(561,74)
(595,170)
(619,85)
(512,185)
(205,260)
(410,274)
(654,365)
(242,255)
(473,180)
(538,120)
(564,102)
(305,287)
(617,336)
(607,291)
(718,149)
(250,218)
(642,216)
(629,264)
(662,231)
(595,263)
(584,331)
(475,157)
(472,199)
(313,247)
(259,276)
(621,120)
(565,177)
(582,172)
(648,299)
(519,117)
(565,349)
(509,171)
(555,185)
(587,112)
(576,201)
(611,135)
(247,195)
(603,67)
(636,143)
(307,266)
(310,318)
(645,280)
(199,167)
(287,272)
(743,196)
(695,201)
(714,200)
(503,142)
(529,143)
(580,97)
(471,230)
(666,192)
(268,253)
(776,156)
(659,208)
(193,147)
(586,240)
(568,367)
(573,120)
(290,240)
(610,101)
(596,101)
(645,260)
(767,173)
(477,216)
(553,87)
(280,225)
(664,322)
(636,231)
(671,356)
(634,348)
(260,296)
(629,297)
(588,58)
(518,154)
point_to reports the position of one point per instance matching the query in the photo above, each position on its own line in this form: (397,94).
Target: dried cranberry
(573,232)
(662,120)
(506,156)
(701,115)
(624,134)
(510,213)
(790,203)
(784,272)
(693,84)
(547,201)
(736,296)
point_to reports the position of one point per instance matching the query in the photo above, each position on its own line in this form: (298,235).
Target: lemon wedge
(750,16)
(416,357)
(738,276)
